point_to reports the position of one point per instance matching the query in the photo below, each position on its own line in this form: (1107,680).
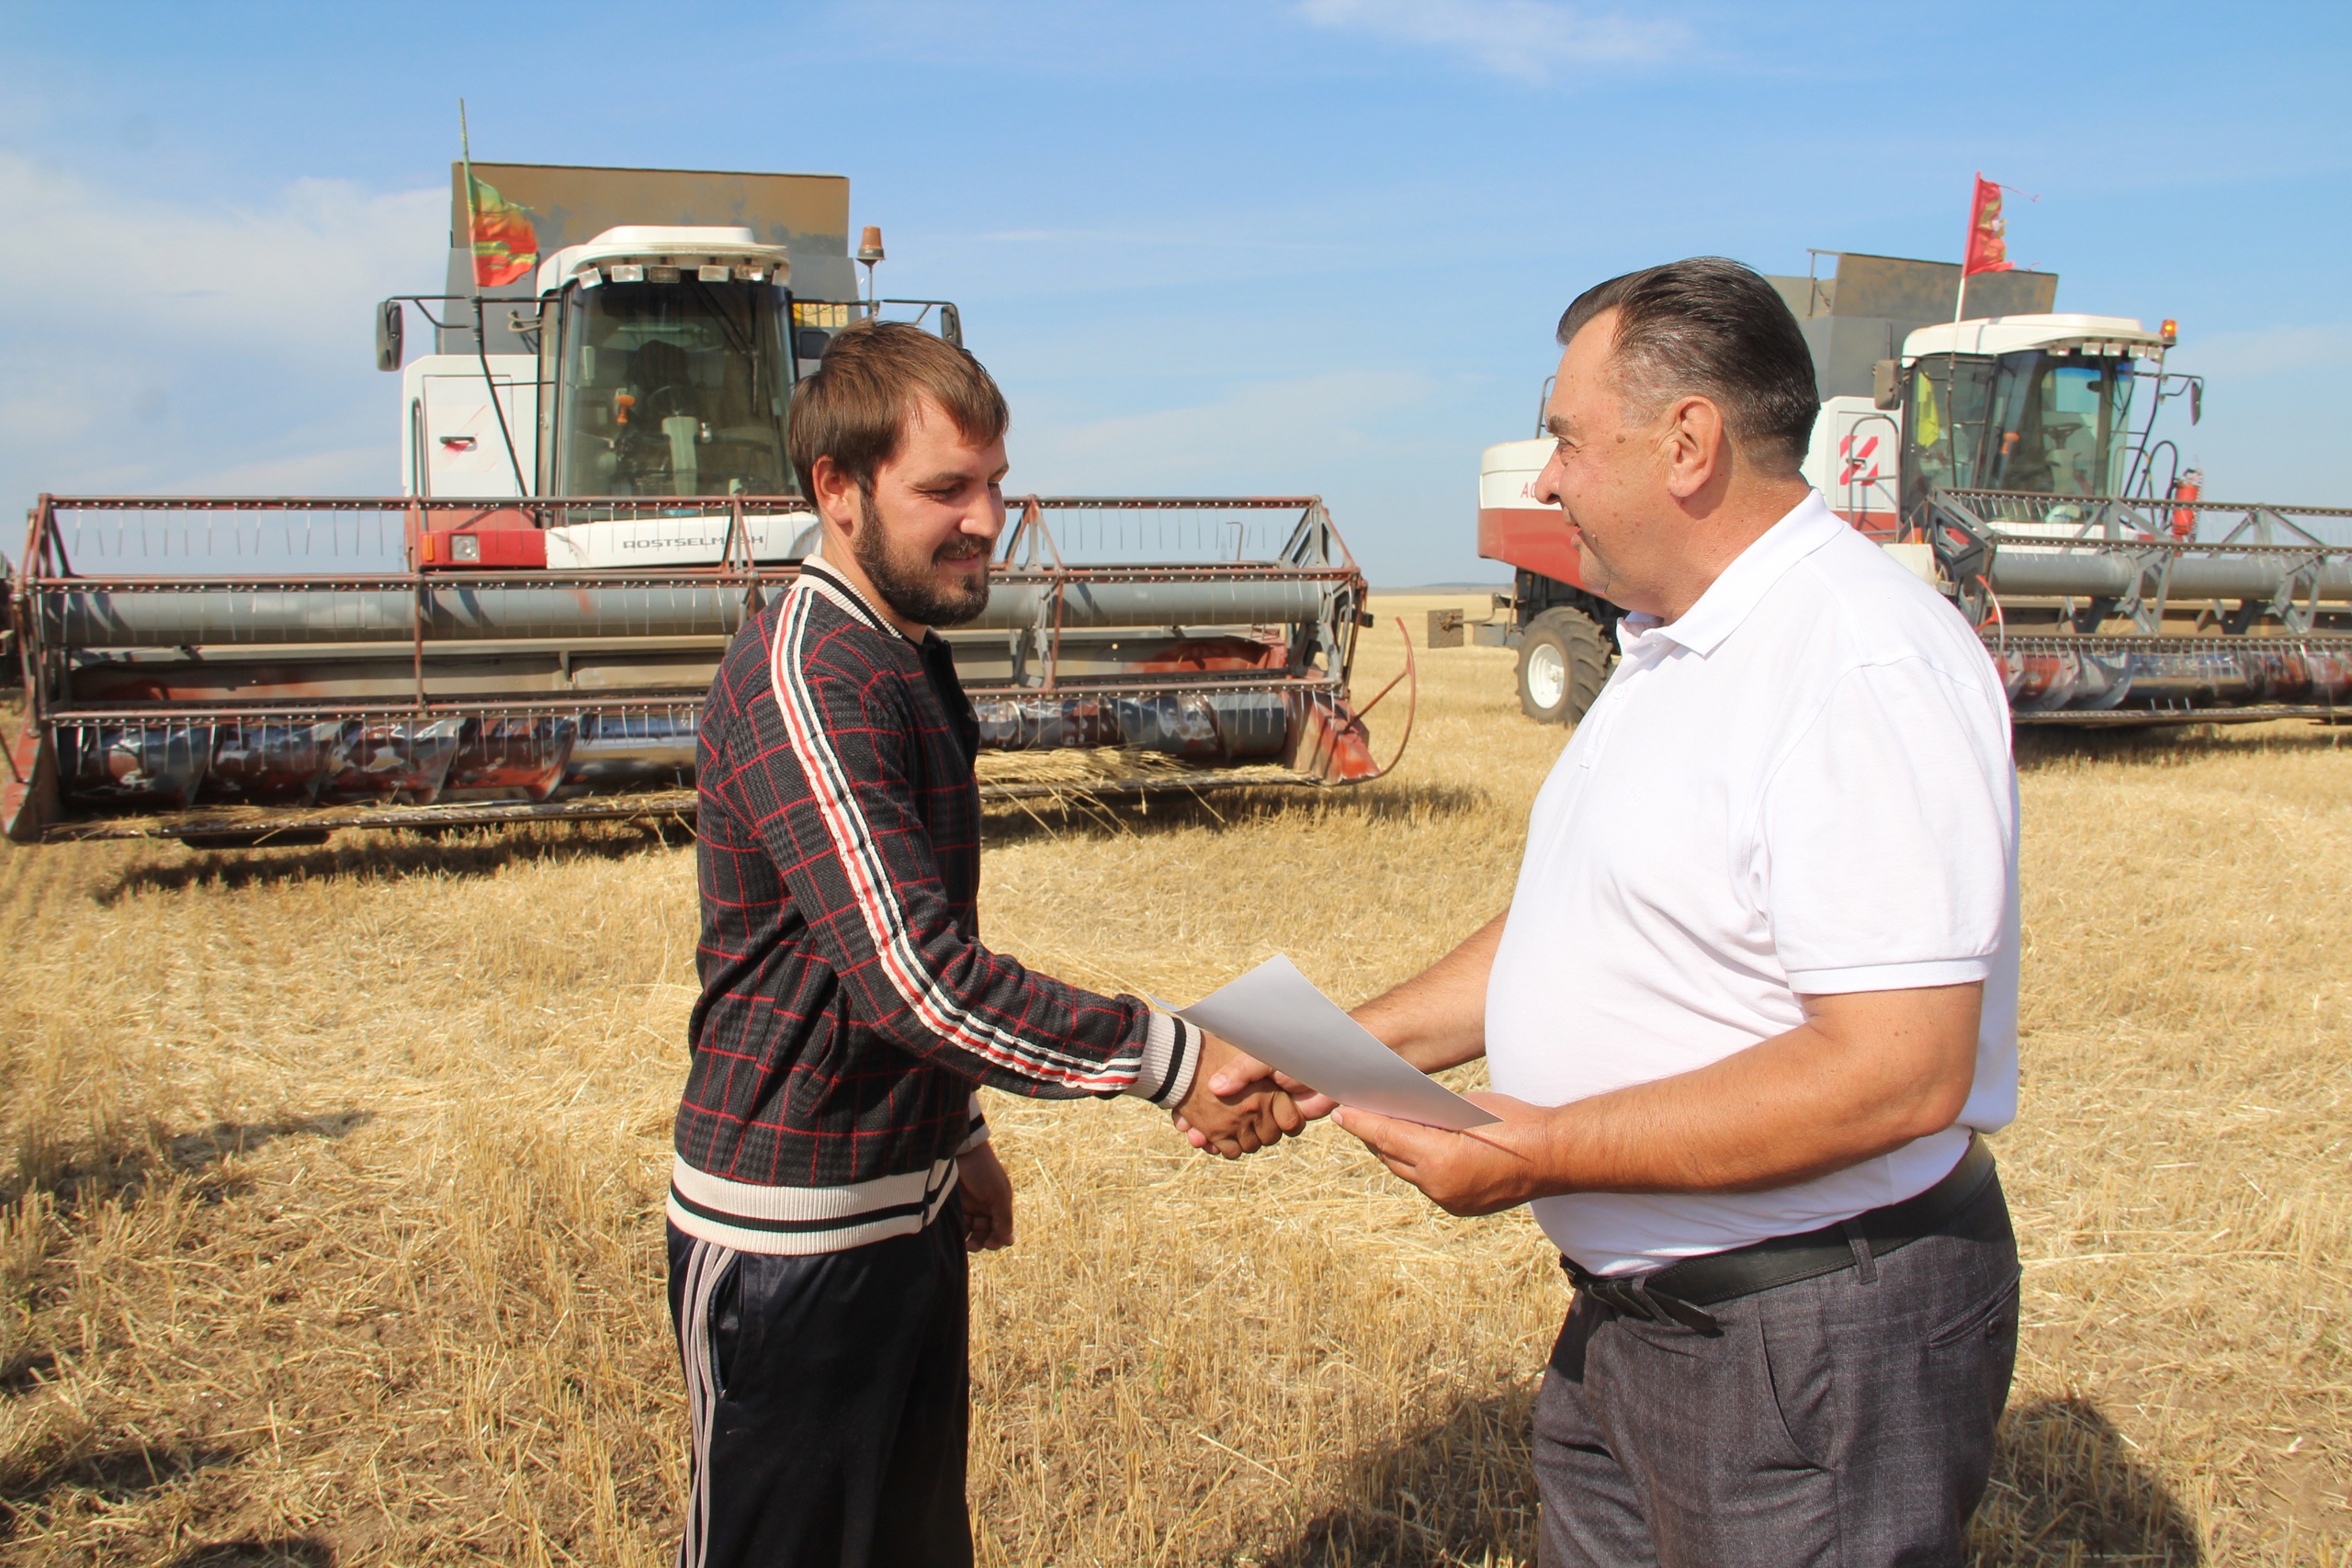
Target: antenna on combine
(473,282)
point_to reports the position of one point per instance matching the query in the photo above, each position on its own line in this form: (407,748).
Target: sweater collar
(829,581)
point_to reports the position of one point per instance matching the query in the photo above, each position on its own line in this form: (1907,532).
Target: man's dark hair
(1714,328)
(854,408)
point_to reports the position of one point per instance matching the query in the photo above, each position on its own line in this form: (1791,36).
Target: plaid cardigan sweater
(848,1008)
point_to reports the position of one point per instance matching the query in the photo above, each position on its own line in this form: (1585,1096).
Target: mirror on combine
(951,325)
(389,324)
(1887,384)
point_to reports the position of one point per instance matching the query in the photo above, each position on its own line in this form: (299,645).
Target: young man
(1755,997)
(832,1166)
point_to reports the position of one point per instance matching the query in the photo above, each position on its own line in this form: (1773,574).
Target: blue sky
(1279,245)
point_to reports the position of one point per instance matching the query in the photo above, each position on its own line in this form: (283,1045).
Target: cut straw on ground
(331,1225)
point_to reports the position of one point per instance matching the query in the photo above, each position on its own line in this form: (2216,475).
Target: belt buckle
(1631,1298)
(1696,1319)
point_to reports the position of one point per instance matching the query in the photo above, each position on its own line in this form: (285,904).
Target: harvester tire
(1562,659)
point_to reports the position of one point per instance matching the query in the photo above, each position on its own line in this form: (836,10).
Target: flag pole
(473,282)
(474,269)
(1951,360)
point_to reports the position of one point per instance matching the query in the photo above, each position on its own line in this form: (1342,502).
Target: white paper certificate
(1276,1014)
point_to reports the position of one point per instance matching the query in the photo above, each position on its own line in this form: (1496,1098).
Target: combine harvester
(597,498)
(2015,460)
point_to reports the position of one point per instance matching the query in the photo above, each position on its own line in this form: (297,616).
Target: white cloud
(297,274)
(165,346)
(1530,40)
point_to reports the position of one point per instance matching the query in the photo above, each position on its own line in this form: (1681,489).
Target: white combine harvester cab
(666,357)
(2042,405)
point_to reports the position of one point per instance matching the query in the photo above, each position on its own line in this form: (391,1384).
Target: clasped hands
(1238,1105)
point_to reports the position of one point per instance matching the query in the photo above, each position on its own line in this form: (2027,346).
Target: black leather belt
(1682,1291)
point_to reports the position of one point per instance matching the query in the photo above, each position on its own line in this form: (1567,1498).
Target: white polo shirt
(1801,787)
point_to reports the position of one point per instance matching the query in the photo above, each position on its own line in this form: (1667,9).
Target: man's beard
(907,585)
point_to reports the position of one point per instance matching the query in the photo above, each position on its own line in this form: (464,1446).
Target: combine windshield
(2047,423)
(673,388)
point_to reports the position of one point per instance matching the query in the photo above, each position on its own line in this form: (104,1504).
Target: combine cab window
(2047,424)
(673,388)
(2062,424)
(1947,413)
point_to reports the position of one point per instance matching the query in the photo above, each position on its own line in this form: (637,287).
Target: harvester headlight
(748,273)
(465,546)
(711,273)
(588,277)
(629,272)
(661,274)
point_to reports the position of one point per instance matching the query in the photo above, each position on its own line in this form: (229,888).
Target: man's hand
(1482,1171)
(1243,1072)
(1252,1116)
(1435,1021)
(987,1199)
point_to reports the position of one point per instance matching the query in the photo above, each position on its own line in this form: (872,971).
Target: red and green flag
(505,245)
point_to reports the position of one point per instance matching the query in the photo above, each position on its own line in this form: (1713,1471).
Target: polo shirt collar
(1742,585)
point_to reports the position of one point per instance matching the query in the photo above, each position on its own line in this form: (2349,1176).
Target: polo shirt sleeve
(1886,836)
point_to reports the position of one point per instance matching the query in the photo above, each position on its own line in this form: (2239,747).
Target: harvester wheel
(1562,659)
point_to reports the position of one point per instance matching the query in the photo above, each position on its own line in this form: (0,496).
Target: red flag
(1988,231)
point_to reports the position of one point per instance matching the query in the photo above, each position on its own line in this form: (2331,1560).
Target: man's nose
(1547,484)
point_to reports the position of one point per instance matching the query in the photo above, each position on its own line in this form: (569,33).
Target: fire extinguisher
(2187,487)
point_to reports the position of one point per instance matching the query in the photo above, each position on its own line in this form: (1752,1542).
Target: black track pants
(830,1399)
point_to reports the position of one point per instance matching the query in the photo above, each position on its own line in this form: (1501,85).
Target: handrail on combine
(2135,557)
(2228,611)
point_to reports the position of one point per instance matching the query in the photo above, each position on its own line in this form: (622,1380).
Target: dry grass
(329,1203)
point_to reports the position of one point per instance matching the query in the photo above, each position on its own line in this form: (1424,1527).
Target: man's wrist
(976,1127)
(1171,1059)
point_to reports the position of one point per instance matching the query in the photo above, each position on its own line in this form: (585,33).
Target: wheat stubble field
(332,1185)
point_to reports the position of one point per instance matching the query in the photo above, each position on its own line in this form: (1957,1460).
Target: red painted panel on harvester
(1534,540)
(1516,528)
(489,550)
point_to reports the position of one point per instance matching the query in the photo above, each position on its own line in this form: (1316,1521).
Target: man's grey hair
(1710,328)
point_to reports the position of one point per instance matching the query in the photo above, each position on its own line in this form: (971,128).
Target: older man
(1755,997)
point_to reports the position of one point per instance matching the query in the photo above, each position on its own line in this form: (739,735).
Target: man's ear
(836,495)
(1695,446)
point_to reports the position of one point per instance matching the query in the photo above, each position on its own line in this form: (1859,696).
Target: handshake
(1237,1105)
